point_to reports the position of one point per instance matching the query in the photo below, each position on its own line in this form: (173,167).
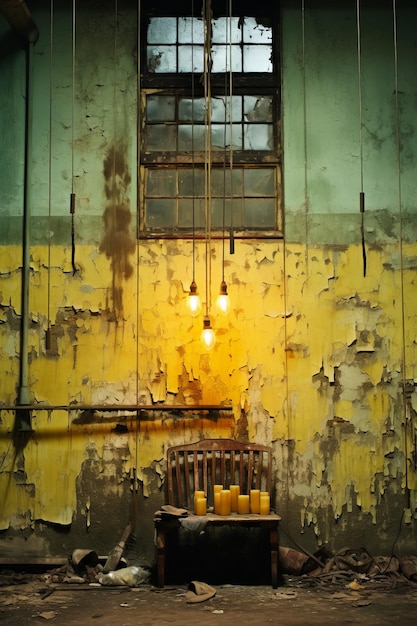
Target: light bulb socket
(206,323)
(193,288)
(223,288)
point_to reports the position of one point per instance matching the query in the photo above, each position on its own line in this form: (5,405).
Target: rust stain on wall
(117,242)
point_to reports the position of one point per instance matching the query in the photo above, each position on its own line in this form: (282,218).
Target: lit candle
(255,497)
(200,506)
(197,495)
(216,497)
(264,504)
(225,502)
(234,492)
(243,505)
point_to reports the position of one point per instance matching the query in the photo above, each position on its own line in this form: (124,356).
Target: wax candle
(198,494)
(264,504)
(234,492)
(216,497)
(225,502)
(255,497)
(200,506)
(216,504)
(243,504)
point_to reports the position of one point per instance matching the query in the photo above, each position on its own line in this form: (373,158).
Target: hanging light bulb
(223,301)
(193,301)
(208,338)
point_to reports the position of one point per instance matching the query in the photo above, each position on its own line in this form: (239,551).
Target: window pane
(190,59)
(185,213)
(220,181)
(162,30)
(258,108)
(222,28)
(190,30)
(161,213)
(189,109)
(259,213)
(220,136)
(256,30)
(220,56)
(161,183)
(258,137)
(161,137)
(259,182)
(160,108)
(191,137)
(191,182)
(162,59)
(257,59)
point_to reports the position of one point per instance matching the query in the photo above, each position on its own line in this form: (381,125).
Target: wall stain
(117,243)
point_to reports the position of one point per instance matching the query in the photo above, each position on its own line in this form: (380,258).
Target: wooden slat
(222,468)
(195,468)
(204,472)
(250,469)
(241,471)
(171,499)
(178,455)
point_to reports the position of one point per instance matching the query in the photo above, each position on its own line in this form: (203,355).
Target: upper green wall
(326,153)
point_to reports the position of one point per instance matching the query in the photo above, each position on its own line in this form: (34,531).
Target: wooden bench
(198,467)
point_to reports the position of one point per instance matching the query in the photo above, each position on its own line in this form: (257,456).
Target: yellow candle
(216,497)
(265,504)
(243,505)
(216,504)
(234,492)
(255,497)
(198,494)
(200,506)
(225,502)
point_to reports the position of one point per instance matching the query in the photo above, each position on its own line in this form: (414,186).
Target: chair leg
(273,536)
(160,563)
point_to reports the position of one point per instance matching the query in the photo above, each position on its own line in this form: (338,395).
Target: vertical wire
(72,201)
(232,245)
(114,101)
(207,160)
(398,142)
(303,44)
(192,134)
(50,169)
(361,193)
(139,99)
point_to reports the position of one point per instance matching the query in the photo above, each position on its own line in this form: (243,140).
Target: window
(235,102)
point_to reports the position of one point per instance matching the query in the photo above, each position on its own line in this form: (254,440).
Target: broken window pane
(258,108)
(189,109)
(258,137)
(257,31)
(162,30)
(162,59)
(190,30)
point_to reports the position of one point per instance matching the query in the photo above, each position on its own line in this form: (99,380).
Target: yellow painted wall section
(312,352)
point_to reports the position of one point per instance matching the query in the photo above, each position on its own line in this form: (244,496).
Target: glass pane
(218,109)
(258,137)
(258,108)
(220,182)
(189,135)
(257,30)
(185,213)
(190,30)
(220,212)
(259,213)
(220,136)
(161,183)
(259,182)
(187,110)
(221,59)
(161,213)
(191,59)
(161,137)
(224,30)
(160,108)
(162,59)
(257,58)
(162,30)
(191,182)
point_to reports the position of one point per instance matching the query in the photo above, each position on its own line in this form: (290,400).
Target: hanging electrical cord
(361,193)
(51,45)
(193,301)
(232,236)
(207,337)
(72,197)
(303,43)
(398,141)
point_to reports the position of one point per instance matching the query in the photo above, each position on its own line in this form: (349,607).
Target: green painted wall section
(316,359)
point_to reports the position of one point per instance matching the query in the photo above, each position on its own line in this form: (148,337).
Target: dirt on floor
(34,599)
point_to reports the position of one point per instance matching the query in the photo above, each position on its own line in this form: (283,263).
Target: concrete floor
(297,601)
